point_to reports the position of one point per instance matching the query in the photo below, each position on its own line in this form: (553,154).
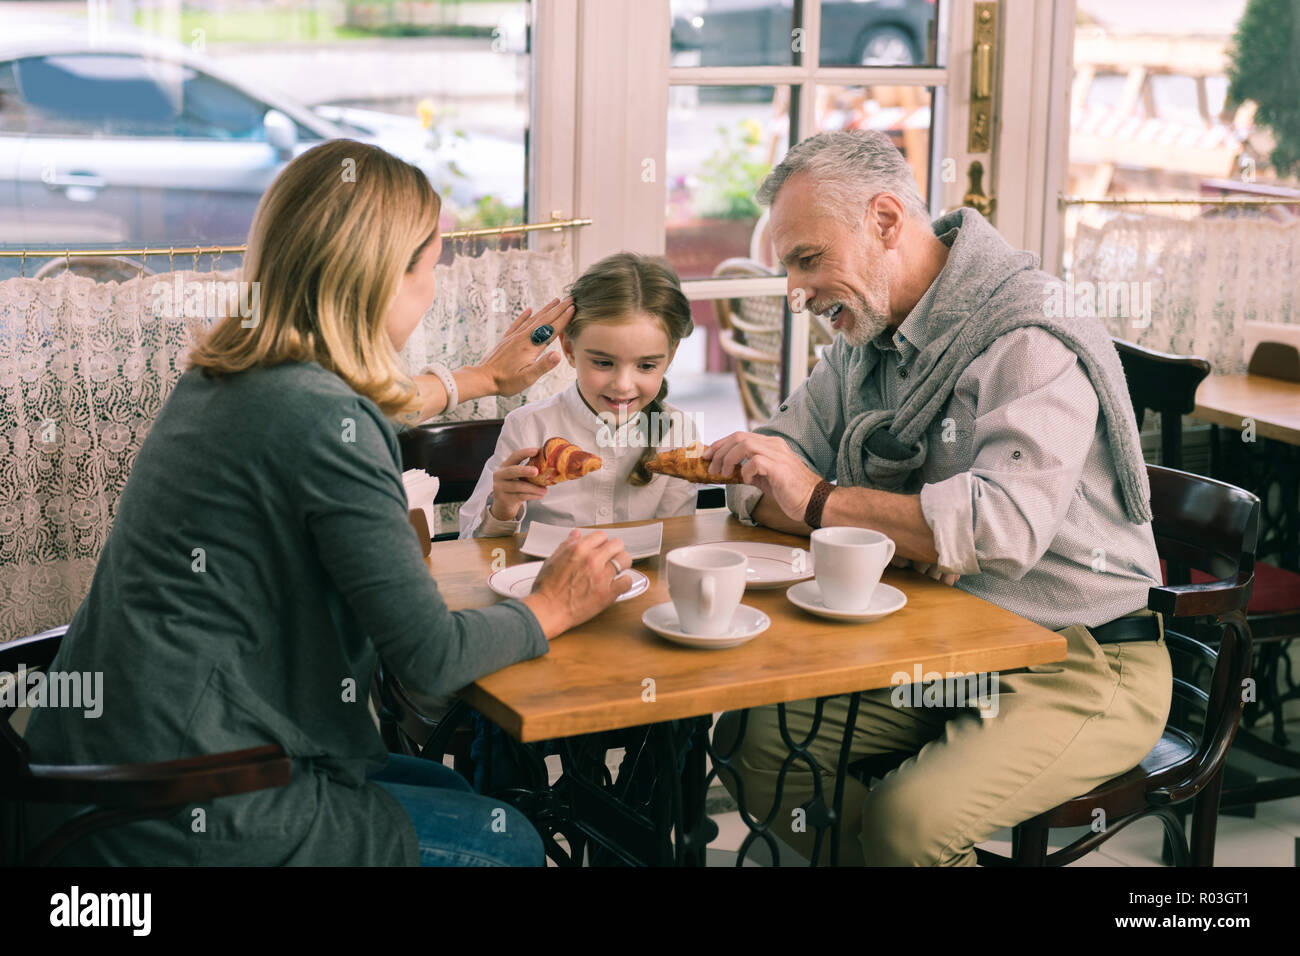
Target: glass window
(878,32)
(763,32)
(444,84)
(722,143)
(1157,121)
(733,32)
(902,112)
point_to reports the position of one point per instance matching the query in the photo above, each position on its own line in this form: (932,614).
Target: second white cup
(706,584)
(849,562)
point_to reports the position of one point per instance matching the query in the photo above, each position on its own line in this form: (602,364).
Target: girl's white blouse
(602,497)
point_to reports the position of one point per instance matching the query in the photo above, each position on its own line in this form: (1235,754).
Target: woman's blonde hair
(329,242)
(623,285)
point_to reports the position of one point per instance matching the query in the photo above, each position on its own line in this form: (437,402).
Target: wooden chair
(113,794)
(1212,526)
(752,333)
(454,452)
(1166,384)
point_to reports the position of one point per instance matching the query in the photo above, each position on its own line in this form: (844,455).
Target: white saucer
(746,624)
(517,581)
(885,600)
(770,565)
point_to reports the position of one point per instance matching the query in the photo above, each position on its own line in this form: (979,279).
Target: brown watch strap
(812,515)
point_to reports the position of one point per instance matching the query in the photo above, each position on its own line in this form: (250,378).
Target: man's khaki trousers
(1060,730)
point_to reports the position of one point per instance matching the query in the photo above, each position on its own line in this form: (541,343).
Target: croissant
(561,460)
(687,463)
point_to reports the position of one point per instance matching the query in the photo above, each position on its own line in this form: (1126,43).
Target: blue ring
(542,334)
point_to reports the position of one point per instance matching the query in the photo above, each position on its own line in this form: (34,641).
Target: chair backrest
(1279,360)
(455,452)
(28,654)
(1213,527)
(113,794)
(1207,525)
(1167,385)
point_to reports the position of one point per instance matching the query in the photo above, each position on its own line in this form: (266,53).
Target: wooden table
(613,673)
(593,678)
(1272,403)
(1274,406)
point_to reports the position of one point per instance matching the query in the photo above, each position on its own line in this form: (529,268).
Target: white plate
(885,600)
(770,565)
(746,624)
(643,541)
(517,582)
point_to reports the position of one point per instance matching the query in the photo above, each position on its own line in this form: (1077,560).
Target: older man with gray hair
(994,441)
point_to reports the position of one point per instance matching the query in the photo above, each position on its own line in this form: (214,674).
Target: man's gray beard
(867,324)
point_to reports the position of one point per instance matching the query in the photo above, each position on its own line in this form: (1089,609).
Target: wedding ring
(542,334)
(617,569)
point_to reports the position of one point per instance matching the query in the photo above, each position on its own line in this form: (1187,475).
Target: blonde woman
(260,561)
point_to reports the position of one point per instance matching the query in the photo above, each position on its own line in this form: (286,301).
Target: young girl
(629,315)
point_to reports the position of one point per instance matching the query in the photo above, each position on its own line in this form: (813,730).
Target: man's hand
(929,570)
(770,465)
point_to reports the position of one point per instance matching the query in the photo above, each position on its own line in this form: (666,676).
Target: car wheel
(887,46)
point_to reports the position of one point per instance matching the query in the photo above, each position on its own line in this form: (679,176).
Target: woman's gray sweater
(259,562)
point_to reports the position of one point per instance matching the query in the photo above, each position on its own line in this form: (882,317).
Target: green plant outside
(1263,67)
(731,175)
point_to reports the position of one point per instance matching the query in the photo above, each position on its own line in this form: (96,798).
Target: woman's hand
(578,581)
(516,363)
(509,487)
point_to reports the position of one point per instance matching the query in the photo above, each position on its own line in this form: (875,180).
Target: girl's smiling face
(620,365)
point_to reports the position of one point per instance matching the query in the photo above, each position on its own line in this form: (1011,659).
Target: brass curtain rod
(1081,201)
(555,225)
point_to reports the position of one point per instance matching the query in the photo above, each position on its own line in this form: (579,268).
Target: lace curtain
(85,367)
(475,301)
(1206,277)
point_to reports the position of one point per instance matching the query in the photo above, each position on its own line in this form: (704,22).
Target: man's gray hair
(850,167)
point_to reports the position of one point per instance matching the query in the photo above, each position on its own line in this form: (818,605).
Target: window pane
(443,84)
(1152,118)
(722,142)
(732,32)
(878,32)
(902,112)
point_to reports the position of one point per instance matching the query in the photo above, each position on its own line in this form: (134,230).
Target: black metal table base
(654,812)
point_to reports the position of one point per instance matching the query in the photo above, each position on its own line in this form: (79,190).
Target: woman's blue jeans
(454,825)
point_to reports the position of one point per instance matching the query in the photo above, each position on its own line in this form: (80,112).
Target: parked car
(125,139)
(758,32)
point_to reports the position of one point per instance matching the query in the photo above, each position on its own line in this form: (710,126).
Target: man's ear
(889,219)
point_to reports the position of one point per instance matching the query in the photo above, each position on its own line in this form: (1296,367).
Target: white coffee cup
(849,562)
(706,584)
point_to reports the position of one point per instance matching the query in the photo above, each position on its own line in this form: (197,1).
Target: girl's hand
(516,363)
(509,489)
(578,581)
